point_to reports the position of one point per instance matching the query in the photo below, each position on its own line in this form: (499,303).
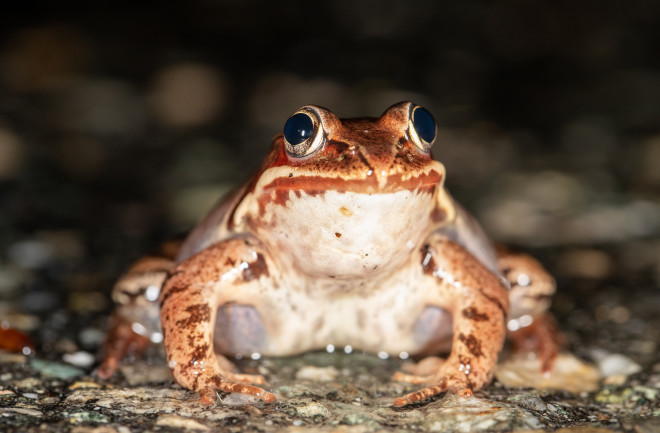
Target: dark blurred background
(120,126)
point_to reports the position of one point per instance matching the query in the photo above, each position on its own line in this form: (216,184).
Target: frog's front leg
(224,273)
(479,305)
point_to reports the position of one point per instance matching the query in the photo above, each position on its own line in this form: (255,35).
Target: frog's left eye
(422,128)
(303,133)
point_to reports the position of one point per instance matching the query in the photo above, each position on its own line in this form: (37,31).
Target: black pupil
(424,124)
(298,128)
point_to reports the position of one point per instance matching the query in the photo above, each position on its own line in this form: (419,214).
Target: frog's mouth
(282,181)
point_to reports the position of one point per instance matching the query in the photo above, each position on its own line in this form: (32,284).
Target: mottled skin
(347,239)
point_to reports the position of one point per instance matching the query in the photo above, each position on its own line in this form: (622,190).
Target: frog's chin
(347,234)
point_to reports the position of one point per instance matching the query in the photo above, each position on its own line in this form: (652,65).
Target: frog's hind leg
(135,320)
(232,272)
(531,327)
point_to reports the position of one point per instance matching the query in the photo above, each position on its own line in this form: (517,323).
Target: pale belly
(394,318)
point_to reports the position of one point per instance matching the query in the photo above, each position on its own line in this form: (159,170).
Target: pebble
(568,373)
(179,422)
(317,374)
(611,364)
(79,359)
(529,401)
(30,253)
(100,429)
(55,370)
(458,414)
(88,416)
(150,400)
(91,337)
(236,399)
(28,383)
(84,385)
(12,358)
(313,410)
(610,222)
(20,411)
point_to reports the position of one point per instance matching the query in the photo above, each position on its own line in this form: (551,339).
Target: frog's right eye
(303,133)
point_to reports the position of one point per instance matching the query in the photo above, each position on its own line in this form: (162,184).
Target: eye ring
(422,127)
(303,133)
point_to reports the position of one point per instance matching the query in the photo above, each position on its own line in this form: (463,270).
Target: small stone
(12,358)
(101,429)
(614,396)
(79,359)
(317,374)
(238,399)
(91,337)
(180,422)
(583,430)
(55,370)
(354,419)
(568,373)
(80,417)
(49,400)
(529,401)
(12,278)
(30,253)
(611,364)
(312,410)
(20,411)
(84,385)
(27,383)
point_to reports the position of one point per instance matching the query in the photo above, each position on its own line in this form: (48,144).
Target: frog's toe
(217,383)
(452,384)
(421,394)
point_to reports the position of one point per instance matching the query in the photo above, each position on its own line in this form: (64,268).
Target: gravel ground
(120,126)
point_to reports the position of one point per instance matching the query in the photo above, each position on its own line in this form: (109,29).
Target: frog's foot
(205,373)
(232,383)
(542,337)
(121,342)
(443,380)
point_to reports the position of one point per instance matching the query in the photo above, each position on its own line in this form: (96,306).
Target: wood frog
(346,236)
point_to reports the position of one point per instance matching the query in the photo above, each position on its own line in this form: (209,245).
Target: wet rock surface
(120,127)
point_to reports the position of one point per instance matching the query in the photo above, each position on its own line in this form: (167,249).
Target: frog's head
(348,196)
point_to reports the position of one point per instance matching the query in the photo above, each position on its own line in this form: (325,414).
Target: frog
(346,236)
